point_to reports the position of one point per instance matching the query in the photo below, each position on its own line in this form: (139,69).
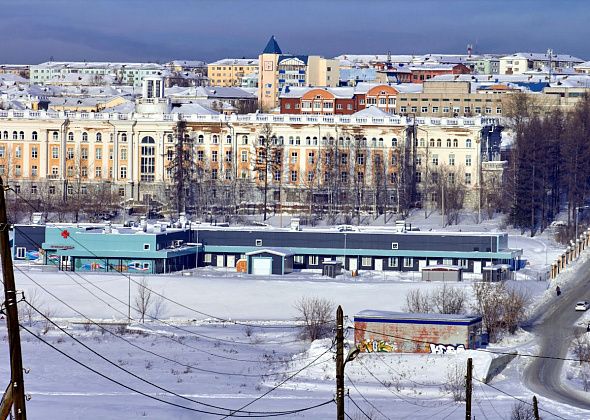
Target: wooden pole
(339,364)
(468,389)
(17,384)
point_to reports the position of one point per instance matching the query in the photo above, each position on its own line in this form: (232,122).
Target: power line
(520,399)
(408,378)
(283,381)
(150,316)
(131,373)
(476,349)
(394,393)
(163,296)
(151,396)
(363,397)
(168,337)
(357,406)
(488,400)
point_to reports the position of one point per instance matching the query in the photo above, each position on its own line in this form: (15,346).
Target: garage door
(262,266)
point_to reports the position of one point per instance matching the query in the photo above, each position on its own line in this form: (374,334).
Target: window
(34,135)
(408,262)
(21,252)
(124,140)
(244,156)
(310,176)
(448,142)
(34,170)
(451,178)
(392,262)
(55,135)
(17,152)
(14,135)
(123,154)
(418,177)
(17,170)
(98,172)
(314,260)
(123,172)
(98,137)
(463,263)
(435,110)
(455,143)
(207,258)
(394,142)
(366,261)
(468,143)
(468,160)
(467,178)
(213,173)
(424,109)
(299,259)
(360,159)
(84,153)
(214,156)
(452,160)
(214,139)
(146,247)
(169,155)
(293,176)
(55,152)
(98,153)
(438,143)
(70,153)
(498,110)
(85,136)
(200,155)
(435,160)
(258,242)
(148,159)
(311,157)
(34,189)
(394,245)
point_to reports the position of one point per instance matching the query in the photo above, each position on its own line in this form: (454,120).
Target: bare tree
(268,160)
(317,315)
(449,300)
(456,382)
(522,411)
(501,308)
(143,299)
(158,306)
(418,302)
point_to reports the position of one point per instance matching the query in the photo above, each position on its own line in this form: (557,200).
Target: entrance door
(378,264)
(477,267)
(231,261)
(421,264)
(220,262)
(352,264)
(262,266)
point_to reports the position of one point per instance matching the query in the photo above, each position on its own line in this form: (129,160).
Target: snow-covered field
(195,362)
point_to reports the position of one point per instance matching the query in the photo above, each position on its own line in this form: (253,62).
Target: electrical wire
(184,330)
(156,398)
(357,406)
(408,378)
(283,381)
(477,349)
(165,336)
(401,397)
(520,399)
(489,400)
(366,400)
(161,295)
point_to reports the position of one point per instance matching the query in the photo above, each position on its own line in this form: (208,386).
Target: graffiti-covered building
(388,332)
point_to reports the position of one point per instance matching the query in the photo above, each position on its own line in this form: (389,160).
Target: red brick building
(420,73)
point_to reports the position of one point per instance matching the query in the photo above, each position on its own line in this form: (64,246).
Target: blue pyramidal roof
(272,47)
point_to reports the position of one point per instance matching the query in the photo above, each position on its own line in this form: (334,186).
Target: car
(582,306)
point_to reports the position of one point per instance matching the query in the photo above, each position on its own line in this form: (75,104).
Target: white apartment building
(520,63)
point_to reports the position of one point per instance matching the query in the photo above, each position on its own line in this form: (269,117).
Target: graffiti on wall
(377,346)
(446,348)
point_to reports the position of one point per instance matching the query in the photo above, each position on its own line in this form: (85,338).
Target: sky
(33,31)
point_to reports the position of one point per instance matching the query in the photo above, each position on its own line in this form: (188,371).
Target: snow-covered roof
(235,62)
(193,108)
(283,252)
(371,111)
(543,57)
(405,316)
(584,65)
(187,63)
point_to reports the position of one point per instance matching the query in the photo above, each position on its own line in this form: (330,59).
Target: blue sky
(159,30)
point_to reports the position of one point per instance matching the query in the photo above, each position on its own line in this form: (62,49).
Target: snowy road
(555,329)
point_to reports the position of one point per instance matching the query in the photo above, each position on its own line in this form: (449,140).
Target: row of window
(439,143)
(434,178)
(446,110)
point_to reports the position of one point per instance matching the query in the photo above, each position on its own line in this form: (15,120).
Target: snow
(229,365)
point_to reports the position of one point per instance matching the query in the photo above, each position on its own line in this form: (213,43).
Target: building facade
(230,71)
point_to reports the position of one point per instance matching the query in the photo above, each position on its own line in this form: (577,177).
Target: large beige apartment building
(230,71)
(133,153)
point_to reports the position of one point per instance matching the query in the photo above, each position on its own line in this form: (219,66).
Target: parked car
(582,306)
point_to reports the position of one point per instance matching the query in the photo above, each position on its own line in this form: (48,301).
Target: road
(554,325)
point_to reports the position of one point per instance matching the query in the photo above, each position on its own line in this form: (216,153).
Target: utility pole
(468,389)
(339,364)
(535,408)
(15,392)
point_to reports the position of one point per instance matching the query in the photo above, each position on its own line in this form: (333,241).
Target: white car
(582,306)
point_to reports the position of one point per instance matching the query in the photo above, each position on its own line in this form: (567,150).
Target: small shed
(497,272)
(331,268)
(267,261)
(442,273)
(385,331)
